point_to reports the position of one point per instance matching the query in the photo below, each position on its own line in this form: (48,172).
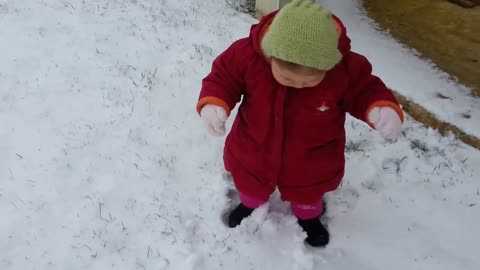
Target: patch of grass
(245,6)
(394,164)
(418,145)
(352,146)
(444,32)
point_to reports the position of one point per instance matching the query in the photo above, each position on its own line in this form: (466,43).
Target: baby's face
(293,79)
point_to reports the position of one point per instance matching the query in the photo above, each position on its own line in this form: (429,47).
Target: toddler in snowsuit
(296,78)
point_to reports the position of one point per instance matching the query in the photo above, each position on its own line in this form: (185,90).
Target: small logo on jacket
(324,107)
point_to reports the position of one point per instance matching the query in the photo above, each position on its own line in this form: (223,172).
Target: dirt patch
(440,30)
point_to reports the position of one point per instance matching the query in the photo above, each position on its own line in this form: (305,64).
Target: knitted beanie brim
(301,52)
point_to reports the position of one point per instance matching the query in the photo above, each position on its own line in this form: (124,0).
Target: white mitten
(386,121)
(214,118)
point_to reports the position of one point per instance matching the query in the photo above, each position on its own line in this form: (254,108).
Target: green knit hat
(303,33)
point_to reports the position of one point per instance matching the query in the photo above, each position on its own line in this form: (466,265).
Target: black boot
(317,235)
(236,216)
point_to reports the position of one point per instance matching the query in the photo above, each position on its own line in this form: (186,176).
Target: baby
(296,78)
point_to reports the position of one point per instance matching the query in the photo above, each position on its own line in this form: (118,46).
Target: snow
(403,70)
(104,163)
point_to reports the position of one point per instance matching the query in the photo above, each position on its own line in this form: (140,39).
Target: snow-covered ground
(104,163)
(404,71)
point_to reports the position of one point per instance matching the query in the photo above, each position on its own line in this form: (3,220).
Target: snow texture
(104,163)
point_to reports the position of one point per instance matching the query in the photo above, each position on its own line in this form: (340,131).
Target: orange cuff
(214,101)
(385,103)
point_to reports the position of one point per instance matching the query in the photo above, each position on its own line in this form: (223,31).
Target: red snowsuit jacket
(293,139)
